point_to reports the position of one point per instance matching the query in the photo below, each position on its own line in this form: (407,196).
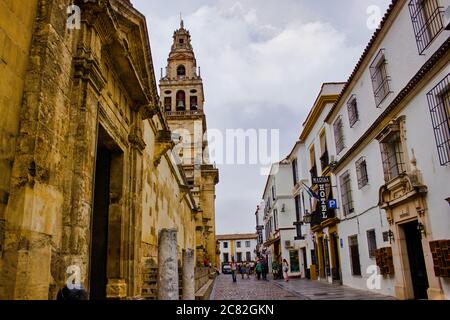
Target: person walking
(233,266)
(285,270)
(248,269)
(243,270)
(258,269)
(265,268)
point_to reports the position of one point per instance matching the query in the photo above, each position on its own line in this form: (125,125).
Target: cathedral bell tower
(182,101)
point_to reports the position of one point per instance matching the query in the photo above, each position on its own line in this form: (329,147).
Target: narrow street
(295,289)
(250,289)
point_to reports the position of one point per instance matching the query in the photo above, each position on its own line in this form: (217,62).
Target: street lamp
(391,236)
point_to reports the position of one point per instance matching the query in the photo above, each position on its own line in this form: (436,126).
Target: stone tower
(182,101)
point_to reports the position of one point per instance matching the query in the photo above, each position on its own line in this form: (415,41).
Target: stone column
(188,275)
(167,265)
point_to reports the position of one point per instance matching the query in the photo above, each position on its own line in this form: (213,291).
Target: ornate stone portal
(403,198)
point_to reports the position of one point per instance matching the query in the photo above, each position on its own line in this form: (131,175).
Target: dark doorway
(99,242)
(336,272)
(305,265)
(416,260)
(322,260)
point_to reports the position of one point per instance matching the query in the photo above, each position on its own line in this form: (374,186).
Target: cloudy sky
(263,62)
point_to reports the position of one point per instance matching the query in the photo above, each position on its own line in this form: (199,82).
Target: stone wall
(66,95)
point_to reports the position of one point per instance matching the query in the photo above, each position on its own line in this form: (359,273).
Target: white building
(391,141)
(279,217)
(384,142)
(241,247)
(310,158)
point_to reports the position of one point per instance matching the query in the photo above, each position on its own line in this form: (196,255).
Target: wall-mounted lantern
(421,229)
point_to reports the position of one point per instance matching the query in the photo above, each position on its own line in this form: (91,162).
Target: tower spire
(181,21)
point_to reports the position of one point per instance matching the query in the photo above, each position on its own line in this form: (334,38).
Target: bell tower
(182,102)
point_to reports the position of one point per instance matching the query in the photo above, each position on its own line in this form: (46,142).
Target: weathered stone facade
(86,179)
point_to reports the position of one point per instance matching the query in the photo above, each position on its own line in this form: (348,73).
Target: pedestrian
(258,269)
(248,269)
(265,268)
(285,270)
(243,270)
(233,269)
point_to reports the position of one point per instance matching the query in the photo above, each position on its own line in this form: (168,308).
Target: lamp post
(421,229)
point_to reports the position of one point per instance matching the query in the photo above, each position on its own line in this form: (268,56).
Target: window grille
(352,108)
(339,135)
(426,18)
(380,79)
(346,194)
(439,104)
(361,172)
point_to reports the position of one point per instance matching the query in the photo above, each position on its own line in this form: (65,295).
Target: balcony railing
(184,113)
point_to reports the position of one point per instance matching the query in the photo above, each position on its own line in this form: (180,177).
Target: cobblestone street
(295,289)
(250,289)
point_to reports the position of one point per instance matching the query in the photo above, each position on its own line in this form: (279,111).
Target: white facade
(240,247)
(389,164)
(403,62)
(307,152)
(279,217)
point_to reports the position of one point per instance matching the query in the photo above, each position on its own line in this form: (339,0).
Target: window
(380,79)
(346,194)
(324,158)
(295,171)
(361,172)
(372,243)
(247,244)
(248,256)
(352,108)
(168,103)
(339,134)
(181,101)
(273,193)
(239,256)
(392,157)
(238,244)
(297,208)
(312,156)
(354,255)
(226,257)
(194,103)
(181,71)
(439,104)
(275,219)
(426,17)
(225,245)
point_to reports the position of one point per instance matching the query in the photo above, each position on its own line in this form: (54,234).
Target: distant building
(241,247)
(280,236)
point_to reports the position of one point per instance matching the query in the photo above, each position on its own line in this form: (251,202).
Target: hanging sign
(322,183)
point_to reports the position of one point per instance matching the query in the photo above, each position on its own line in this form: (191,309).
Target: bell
(180,104)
